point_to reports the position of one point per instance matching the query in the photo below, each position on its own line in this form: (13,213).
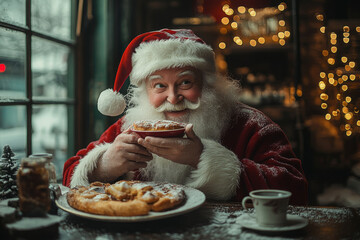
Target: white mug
(270,206)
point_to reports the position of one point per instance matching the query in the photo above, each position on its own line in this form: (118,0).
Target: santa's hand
(181,150)
(123,155)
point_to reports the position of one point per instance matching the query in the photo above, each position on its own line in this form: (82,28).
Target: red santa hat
(154,51)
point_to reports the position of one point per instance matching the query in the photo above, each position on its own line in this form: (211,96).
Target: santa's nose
(174,97)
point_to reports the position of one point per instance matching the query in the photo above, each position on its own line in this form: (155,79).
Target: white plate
(194,199)
(294,222)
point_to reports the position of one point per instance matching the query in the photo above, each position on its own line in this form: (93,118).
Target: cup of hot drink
(270,206)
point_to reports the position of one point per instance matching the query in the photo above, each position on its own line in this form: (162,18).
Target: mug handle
(243,203)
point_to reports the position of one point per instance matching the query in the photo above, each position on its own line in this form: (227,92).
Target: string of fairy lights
(243,27)
(255,27)
(339,80)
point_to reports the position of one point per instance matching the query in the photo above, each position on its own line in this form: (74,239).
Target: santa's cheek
(192,99)
(192,95)
(156,101)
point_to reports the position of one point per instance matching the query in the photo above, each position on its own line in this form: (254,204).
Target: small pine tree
(8,170)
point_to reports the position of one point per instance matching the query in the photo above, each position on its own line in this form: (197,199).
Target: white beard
(209,121)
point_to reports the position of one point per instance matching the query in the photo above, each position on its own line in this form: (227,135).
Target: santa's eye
(159,85)
(185,82)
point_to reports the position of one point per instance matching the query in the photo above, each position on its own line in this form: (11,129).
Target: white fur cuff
(87,165)
(218,172)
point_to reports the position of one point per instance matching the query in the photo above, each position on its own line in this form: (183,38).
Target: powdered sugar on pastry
(157,125)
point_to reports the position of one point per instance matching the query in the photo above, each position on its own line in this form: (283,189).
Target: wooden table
(216,221)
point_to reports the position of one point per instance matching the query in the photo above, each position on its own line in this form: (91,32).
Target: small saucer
(294,222)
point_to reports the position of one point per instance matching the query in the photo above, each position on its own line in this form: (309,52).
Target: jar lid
(41,155)
(33,162)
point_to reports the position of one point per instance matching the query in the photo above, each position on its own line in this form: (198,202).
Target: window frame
(28,101)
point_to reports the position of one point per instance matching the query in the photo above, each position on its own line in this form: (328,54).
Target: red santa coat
(253,149)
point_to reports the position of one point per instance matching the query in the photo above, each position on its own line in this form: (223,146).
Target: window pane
(13,129)
(12,11)
(50,133)
(53,17)
(50,72)
(12,64)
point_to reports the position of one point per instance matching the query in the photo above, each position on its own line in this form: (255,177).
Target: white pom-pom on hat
(111,103)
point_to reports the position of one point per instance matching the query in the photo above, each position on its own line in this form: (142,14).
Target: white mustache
(185,104)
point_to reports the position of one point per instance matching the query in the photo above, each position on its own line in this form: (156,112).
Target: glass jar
(49,165)
(33,184)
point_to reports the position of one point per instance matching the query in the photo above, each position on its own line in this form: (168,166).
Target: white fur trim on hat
(162,54)
(111,103)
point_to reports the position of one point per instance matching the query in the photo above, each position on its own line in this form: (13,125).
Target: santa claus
(229,149)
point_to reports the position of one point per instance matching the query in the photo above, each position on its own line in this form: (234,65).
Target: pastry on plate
(125,198)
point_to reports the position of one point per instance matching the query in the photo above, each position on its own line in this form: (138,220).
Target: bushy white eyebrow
(184,73)
(152,77)
(187,72)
